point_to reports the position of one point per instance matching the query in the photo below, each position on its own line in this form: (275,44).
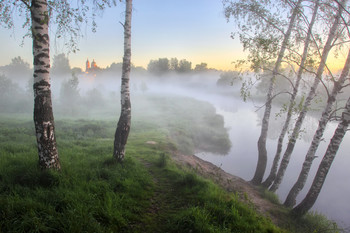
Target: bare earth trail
(162,202)
(231,183)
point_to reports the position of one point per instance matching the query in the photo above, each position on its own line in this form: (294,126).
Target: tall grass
(200,205)
(93,193)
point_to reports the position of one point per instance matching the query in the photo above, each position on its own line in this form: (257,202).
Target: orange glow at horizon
(336,64)
(222,61)
(219,62)
(216,59)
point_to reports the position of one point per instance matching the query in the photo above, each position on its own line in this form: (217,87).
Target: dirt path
(232,184)
(161,201)
(154,208)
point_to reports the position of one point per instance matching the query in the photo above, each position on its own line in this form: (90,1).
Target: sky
(195,30)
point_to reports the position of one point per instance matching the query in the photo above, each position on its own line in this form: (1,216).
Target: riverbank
(147,193)
(262,201)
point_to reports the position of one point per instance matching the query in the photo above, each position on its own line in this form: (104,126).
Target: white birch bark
(43,115)
(123,127)
(290,147)
(262,152)
(267,183)
(310,155)
(325,164)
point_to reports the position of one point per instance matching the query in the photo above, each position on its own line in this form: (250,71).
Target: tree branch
(294,51)
(346,23)
(284,76)
(303,67)
(325,87)
(342,42)
(274,96)
(25,3)
(345,85)
(269,22)
(344,9)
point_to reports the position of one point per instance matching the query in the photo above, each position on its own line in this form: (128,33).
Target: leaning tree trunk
(267,183)
(325,164)
(311,95)
(43,115)
(262,152)
(123,128)
(310,156)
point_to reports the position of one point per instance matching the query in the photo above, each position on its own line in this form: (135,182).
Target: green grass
(271,196)
(312,222)
(92,193)
(203,207)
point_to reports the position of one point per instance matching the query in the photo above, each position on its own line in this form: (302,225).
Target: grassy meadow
(146,193)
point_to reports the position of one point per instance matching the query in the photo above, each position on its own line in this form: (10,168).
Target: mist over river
(244,129)
(243,122)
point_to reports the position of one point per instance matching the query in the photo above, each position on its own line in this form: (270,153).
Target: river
(243,124)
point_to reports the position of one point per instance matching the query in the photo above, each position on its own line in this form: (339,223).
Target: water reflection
(243,122)
(244,129)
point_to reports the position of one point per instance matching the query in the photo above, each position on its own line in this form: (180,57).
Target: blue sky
(195,30)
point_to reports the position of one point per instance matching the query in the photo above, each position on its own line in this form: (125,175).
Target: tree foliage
(261,25)
(17,70)
(159,67)
(69,93)
(60,65)
(12,97)
(163,66)
(68,16)
(184,66)
(201,67)
(228,78)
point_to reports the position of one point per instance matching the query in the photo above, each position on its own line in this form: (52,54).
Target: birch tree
(292,141)
(37,15)
(310,155)
(267,183)
(325,164)
(123,127)
(262,152)
(43,115)
(261,15)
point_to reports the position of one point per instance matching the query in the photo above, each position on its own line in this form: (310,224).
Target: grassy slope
(147,193)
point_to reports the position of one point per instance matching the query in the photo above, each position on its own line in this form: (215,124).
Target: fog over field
(95,95)
(260,89)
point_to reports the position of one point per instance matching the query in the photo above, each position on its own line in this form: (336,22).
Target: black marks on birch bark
(123,127)
(43,114)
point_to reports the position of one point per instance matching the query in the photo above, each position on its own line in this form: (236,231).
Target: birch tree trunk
(310,156)
(290,147)
(123,127)
(43,115)
(262,152)
(267,183)
(325,164)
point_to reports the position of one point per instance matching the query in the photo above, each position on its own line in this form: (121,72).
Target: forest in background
(282,44)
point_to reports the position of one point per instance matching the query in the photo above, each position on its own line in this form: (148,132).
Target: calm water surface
(243,123)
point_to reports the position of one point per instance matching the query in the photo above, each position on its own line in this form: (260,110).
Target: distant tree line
(61,67)
(164,65)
